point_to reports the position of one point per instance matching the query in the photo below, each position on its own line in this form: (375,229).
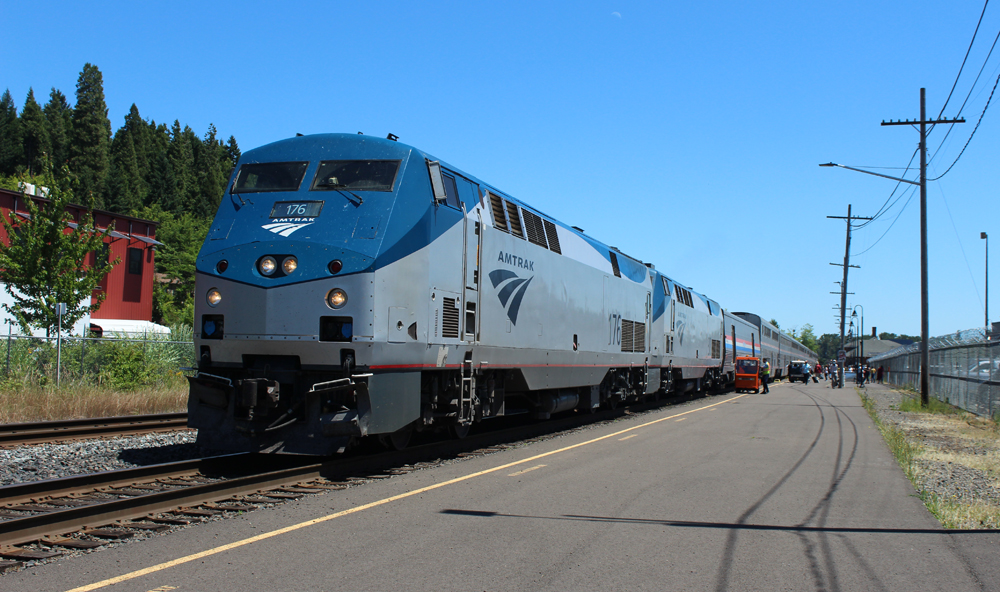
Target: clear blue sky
(687,134)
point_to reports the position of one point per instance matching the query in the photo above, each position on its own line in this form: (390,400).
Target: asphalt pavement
(793,490)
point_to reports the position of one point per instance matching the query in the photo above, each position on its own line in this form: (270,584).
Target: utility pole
(843,285)
(924,307)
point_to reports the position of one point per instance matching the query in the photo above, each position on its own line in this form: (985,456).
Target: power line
(973,131)
(912,191)
(959,75)
(883,210)
(967,96)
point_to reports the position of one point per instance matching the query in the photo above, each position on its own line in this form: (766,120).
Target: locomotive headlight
(214,297)
(337,298)
(267,265)
(289,264)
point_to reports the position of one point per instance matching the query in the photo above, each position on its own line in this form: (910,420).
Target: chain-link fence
(122,362)
(964,370)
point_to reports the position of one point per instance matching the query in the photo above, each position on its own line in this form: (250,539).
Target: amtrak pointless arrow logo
(285,228)
(512,292)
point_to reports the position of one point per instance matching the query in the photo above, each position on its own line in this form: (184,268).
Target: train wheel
(399,439)
(459,431)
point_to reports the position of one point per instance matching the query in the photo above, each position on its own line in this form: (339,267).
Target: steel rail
(15,531)
(17,434)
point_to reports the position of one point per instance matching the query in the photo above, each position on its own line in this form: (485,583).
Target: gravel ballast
(52,461)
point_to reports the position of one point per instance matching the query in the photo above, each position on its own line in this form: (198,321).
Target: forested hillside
(145,169)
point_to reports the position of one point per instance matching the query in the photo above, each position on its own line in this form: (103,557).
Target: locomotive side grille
(515,220)
(550,231)
(536,231)
(716,348)
(633,336)
(449,318)
(627,329)
(499,220)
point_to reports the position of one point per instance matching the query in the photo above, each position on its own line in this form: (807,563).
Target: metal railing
(964,370)
(120,361)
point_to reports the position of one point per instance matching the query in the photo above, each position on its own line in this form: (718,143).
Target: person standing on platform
(765,375)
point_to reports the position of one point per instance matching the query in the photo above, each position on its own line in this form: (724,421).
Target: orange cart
(747,374)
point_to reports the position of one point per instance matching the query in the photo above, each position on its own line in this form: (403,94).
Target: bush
(119,363)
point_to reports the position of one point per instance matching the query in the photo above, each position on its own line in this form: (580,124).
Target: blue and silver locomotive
(352,286)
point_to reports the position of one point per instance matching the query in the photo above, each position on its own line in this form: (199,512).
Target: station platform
(792,490)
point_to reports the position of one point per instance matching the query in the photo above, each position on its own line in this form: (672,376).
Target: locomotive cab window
(356,175)
(451,190)
(269,176)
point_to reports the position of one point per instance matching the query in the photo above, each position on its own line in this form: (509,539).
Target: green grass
(913,405)
(901,448)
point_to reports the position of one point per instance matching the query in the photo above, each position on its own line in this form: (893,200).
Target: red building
(128,305)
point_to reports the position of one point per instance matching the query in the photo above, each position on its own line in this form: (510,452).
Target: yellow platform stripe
(267,535)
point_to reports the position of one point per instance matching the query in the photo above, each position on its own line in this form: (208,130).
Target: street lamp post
(861,332)
(850,337)
(986,325)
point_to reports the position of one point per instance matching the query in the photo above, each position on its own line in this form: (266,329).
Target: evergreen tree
(44,264)
(10,135)
(139,131)
(181,155)
(233,152)
(123,187)
(208,162)
(59,118)
(91,133)
(160,182)
(35,134)
(162,185)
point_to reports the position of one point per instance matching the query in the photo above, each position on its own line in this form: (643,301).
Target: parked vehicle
(799,370)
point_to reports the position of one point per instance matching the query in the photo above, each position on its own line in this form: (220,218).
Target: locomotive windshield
(355,175)
(270,176)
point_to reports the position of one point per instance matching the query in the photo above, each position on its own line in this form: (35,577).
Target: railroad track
(19,434)
(39,519)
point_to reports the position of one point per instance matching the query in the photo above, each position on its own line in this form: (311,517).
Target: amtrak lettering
(515,261)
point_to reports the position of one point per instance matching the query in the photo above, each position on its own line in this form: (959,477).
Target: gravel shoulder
(957,461)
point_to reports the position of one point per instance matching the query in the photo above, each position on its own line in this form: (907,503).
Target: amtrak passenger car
(352,286)
(776,347)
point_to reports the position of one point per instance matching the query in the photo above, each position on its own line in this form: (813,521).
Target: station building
(128,305)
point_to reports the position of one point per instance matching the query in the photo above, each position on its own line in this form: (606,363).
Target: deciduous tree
(47,263)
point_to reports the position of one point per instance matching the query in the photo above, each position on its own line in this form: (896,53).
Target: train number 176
(615,327)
